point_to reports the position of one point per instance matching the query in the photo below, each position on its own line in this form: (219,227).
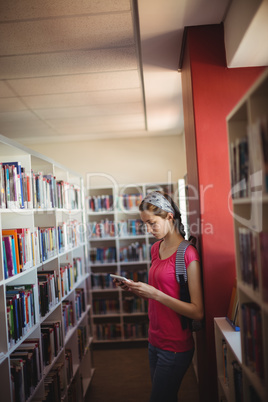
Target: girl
(171,347)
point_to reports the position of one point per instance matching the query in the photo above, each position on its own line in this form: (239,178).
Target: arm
(192,310)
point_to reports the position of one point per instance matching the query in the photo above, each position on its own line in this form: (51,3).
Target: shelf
(247,133)
(232,337)
(50,327)
(126,223)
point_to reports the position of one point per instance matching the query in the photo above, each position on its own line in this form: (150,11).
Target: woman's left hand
(141,289)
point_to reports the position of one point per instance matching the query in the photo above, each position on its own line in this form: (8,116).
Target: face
(156,225)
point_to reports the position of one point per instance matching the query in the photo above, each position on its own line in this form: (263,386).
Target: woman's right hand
(121,284)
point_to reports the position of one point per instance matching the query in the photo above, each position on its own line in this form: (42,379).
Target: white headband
(158,200)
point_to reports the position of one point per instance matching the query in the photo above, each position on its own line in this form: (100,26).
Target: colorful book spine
(20,310)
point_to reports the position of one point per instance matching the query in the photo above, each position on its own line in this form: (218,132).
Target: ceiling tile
(11,104)
(97,123)
(27,9)
(5,90)
(21,120)
(93,110)
(73,62)
(22,132)
(83,98)
(50,35)
(76,83)
(104,128)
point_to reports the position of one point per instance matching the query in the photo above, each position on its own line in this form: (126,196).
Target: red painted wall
(210,91)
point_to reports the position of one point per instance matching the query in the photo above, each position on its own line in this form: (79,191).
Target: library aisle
(122,375)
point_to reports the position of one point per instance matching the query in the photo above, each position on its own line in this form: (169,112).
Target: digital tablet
(119,278)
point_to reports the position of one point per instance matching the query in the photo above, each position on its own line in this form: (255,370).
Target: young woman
(171,347)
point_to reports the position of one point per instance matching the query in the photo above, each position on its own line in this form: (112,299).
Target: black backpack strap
(181,276)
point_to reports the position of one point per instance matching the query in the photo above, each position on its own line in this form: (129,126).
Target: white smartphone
(119,278)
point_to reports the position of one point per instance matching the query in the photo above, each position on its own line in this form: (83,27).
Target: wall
(210,91)
(140,160)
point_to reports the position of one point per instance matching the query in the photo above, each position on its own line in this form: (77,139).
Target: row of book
(69,364)
(238,386)
(54,284)
(104,280)
(52,343)
(105,202)
(239,157)
(70,234)
(136,330)
(54,384)
(25,367)
(107,331)
(251,245)
(23,248)
(102,255)
(124,228)
(106,306)
(77,268)
(104,228)
(27,362)
(133,252)
(136,276)
(238,381)
(249,161)
(264,263)
(101,281)
(49,290)
(68,315)
(21,314)
(131,227)
(80,302)
(101,203)
(129,202)
(66,278)
(82,341)
(132,304)
(237,377)
(22,190)
(252,337)
(248,244)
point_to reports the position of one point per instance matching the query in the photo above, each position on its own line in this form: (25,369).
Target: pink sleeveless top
(165,331)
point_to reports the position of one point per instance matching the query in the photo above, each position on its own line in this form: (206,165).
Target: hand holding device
(119,278)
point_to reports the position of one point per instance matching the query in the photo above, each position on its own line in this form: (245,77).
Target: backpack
(181,276)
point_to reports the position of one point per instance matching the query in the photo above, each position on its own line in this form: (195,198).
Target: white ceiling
(90,69)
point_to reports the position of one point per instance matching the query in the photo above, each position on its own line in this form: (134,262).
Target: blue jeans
(167,371)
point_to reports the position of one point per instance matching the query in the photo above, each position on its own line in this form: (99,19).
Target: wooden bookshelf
(248,148)
(57,268)
(117,315)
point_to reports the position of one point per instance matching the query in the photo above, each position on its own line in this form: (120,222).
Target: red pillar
(210,91)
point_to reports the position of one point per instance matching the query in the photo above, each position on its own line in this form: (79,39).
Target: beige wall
(127,161)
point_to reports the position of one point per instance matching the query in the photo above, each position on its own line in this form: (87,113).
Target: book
(232,313)
(14,235)
(18,371)
(238,384)
(252,338)
(258,143)
(15,184)
(8,255)
(264,264)
(2,187)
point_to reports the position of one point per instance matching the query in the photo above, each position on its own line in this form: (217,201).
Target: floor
(122,375)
